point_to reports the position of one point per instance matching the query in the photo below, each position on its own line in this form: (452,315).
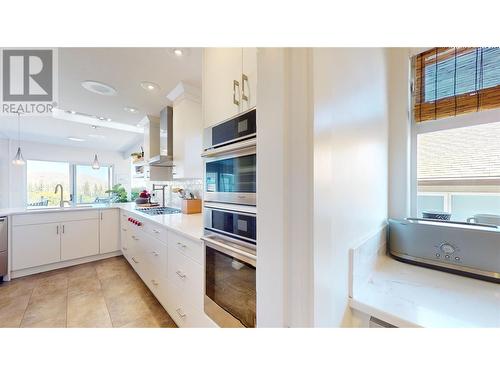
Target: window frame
(417,128)
(72,178)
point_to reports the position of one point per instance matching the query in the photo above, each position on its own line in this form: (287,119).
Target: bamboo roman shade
(454,81)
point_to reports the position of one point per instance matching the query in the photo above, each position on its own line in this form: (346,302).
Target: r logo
(27,75)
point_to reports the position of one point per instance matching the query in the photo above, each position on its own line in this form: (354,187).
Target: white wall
(4,173)
(399,133)
(16,176)
(350,167)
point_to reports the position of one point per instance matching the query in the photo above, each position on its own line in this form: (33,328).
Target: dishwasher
(3,247)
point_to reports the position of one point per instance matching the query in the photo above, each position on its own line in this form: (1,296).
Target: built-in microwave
(235,129)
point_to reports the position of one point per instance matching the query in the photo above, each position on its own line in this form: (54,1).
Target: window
(81,183)
(91,184)
(456,143)
(42,178)
(454,81)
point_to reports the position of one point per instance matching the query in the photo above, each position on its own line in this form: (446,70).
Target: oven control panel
(447,251)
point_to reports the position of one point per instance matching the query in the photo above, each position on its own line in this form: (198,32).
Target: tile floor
(106,293)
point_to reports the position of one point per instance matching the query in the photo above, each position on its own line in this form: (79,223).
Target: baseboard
(67,263)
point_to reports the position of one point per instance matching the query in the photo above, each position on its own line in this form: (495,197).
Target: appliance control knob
(129,219)
(139,223)
(447,248)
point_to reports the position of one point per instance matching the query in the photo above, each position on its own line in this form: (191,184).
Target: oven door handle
(239,146)
(231,251)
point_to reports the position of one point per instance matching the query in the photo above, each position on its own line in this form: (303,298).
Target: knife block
(191,206)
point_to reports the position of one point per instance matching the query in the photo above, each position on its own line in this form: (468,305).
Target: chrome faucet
(61,201)
(161,188)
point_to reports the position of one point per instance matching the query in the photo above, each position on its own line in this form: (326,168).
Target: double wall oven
(230,221)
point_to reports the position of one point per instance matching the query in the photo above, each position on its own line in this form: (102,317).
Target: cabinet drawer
(155,253)
(157,231)
(183,313)
(54,217)
(187,275)
(191,248)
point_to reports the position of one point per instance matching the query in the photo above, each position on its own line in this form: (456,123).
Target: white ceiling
(122,68)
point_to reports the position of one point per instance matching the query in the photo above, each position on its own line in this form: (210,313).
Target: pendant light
(95,163)
(18,159)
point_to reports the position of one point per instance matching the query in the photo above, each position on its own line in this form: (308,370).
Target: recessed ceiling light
(178,52)
(99,88)
(131,109)
(150,86)
(75,139)
(108,119)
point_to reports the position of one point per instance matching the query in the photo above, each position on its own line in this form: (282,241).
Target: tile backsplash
(172,199)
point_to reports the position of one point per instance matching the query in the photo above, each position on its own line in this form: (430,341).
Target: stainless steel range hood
(165,139)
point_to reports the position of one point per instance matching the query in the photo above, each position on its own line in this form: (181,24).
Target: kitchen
(181,184)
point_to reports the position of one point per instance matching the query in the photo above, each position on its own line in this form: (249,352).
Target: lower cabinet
(79,239)
(45,238)
(35,245)
(174,278)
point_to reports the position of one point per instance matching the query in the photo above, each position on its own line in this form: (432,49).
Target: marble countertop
(411,296)
(190,225)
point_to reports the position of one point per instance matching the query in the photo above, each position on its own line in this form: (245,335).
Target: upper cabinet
(187,131)
(229,83)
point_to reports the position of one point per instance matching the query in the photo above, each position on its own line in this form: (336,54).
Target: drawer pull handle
(180,313)
(123,229)
(155,283)
(180,274)
(155,253)
(135,261)
(135,238)
(124,248)
(181,245)
(156,231)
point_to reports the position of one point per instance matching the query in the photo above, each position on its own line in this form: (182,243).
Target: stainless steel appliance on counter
(231,161)
(3,247)
(230,221)
(468,249)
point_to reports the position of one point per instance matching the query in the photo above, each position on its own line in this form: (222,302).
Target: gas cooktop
(159,210)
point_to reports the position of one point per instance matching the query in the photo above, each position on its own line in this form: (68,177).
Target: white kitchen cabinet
(229,83)
(79,239)
(109,231)
(221,84)
(35,245)
(187,130)
(249,84)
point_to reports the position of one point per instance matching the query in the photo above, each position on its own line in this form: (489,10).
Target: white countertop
(190,225)
(411,296)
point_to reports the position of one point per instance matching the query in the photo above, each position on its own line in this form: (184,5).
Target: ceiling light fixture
(75,139)
(150,86)
(178,52)
(95,163)
(99,88)
(18,159)
(131,109)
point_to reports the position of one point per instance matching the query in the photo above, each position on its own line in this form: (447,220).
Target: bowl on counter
(142,200)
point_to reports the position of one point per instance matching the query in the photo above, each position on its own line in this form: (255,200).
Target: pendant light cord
(18,129)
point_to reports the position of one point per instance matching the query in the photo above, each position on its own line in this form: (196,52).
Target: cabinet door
(188,130)
(109,231)
(35,245)
(221,66)
(249,86)
(79,239)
